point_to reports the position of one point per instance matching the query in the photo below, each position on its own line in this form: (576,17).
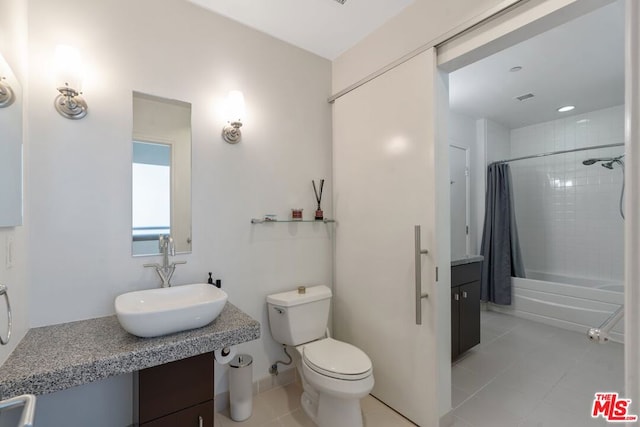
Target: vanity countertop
(57,357)
(467,260)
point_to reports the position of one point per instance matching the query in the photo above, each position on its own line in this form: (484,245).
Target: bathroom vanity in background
(465,304)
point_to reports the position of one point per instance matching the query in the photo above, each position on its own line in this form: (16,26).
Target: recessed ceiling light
(515,69)
(566,108)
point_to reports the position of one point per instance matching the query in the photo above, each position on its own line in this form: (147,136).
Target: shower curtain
(500,245)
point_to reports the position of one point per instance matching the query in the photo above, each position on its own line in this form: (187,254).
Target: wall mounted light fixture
(6,93)
(235,113)
(70,72)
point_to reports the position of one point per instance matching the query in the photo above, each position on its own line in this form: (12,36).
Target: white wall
(492,144)
(568,218)
(79,246)
(13,43)
(106,403)
(498,145)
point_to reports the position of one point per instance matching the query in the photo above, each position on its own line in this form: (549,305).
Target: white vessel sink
(162,311)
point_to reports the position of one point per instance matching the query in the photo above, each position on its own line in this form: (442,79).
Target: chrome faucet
(165,271)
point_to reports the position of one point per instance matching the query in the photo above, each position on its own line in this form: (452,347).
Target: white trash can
(241,387)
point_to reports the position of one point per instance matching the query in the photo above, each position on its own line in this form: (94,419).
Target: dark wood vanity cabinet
(465,307)
(176,394)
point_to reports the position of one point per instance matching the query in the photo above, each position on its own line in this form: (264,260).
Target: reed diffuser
(319,215)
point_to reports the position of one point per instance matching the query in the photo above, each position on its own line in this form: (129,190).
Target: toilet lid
(337,359)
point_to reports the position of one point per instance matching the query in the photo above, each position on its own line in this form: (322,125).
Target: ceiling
(580,63)
(324,27)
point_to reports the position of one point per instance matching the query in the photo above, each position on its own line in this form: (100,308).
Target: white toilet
(335,375)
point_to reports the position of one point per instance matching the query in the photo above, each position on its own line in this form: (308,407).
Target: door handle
(464,294)
(456,296)
(419,295)
(200,421)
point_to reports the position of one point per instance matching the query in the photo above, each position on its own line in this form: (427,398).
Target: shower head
(610,161)
(608,165)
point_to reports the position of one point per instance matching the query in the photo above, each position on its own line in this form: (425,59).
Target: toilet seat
(337,359)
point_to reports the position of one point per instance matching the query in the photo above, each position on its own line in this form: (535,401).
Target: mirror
(459,167)
(161,174)
(10,147)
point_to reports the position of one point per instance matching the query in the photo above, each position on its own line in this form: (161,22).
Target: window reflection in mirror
(161,173)
(151,186)
(10,149)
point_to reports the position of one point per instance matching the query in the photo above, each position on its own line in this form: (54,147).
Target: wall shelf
(263,221)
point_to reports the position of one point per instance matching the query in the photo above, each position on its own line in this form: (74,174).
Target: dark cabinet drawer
(169,388)
(465,273)
(196,416)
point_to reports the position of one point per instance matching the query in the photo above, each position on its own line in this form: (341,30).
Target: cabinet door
(469,315)
(172,387)
(455,322)
(196,416)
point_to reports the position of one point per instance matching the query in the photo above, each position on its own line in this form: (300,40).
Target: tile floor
(523,374)
(280,407)
(527,374)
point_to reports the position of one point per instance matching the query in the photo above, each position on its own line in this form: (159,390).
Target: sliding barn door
(384,185)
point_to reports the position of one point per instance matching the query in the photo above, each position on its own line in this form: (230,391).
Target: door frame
(632,202)
(526,21)
(510,22)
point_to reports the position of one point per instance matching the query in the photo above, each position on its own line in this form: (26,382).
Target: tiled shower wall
(567,213)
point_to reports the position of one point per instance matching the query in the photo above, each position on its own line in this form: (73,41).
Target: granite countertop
(57,357)
(467,260)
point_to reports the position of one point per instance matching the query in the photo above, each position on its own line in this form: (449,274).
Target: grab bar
(601,333)
(28,401)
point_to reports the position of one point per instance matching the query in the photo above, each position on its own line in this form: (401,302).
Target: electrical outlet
(9,252)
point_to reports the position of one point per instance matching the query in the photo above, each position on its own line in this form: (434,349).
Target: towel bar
(28,402)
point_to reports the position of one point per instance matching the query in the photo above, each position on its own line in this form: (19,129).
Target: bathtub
(566,302)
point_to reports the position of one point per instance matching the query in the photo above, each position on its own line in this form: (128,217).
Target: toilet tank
(296,318)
